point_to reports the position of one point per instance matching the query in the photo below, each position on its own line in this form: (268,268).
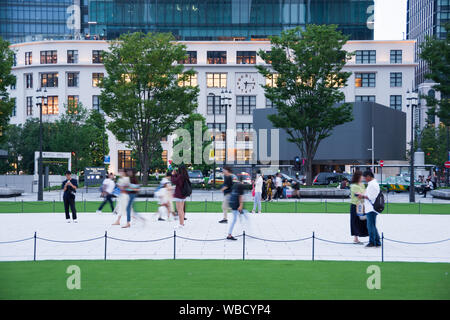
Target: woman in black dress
(358,227)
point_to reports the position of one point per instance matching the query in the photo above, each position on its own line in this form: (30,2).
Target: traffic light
(297,163)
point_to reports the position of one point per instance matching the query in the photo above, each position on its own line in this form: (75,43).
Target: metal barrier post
(22,205)
(106,239)
(420,211)
(326,207)
(34,254)
(313,246)
(295,206)
(174,244)
(84,205)
(54,210)
(146,201)
(382,247)
(206,206)
(243,245)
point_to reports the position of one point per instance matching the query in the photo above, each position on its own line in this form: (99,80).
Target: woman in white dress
(122,200)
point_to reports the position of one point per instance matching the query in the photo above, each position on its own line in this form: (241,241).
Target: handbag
(360,212)
(253,190)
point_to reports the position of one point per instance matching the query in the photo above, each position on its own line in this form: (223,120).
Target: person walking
(358,227)
(69,187)
(370,195)
(132,190)
(226,189)
(122,200)
(258,192)
(183,189)
(108,186)
(278,186)
(269,186)
(236,204)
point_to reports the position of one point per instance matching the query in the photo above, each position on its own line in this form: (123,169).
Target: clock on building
(245,83)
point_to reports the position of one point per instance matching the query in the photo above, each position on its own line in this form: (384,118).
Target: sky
(390,19)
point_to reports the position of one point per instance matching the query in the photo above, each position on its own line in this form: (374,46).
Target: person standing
(69,187)
(269,185)
(358,227)
(278,186)
(183,189)
(108,186)
(226,189)
(258,192)
(236,204)
(371,194)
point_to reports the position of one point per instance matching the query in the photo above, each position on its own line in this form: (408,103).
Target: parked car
(325,178)
(246,178)
(219,178)
(195,176)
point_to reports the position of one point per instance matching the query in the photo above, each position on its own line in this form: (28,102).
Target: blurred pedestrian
(108,186)
(226,189)
(258,192)
(183,189)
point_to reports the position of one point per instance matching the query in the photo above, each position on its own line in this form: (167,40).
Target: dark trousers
(70,202)
(279,193)
(374,237)
(108,198)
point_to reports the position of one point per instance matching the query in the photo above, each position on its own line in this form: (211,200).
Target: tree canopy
(6,79)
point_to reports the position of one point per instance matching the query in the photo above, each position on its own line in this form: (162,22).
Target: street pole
(373,150)
(40,178)
(448,155)
(214,138)
(412,195)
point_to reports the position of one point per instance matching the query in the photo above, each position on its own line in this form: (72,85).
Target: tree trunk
(144,168)
(309,176)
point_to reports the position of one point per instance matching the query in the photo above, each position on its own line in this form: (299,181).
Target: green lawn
(216,206)
(223,279)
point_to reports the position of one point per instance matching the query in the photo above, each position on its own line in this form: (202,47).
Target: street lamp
(225,100)
(43,101)
(214,137)
(412,101)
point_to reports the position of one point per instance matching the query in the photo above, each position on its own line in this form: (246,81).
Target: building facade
(382,72)
(212,20)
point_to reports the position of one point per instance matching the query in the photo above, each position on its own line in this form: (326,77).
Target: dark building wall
(349,143)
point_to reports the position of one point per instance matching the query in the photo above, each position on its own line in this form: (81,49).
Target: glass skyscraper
(30,20)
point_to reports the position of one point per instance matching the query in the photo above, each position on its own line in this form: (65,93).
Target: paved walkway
(411,228)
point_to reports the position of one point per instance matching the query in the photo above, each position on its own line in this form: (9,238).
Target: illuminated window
(246,57)
(271,81)
(28,58)
(125,159)
(49,80)
(363,80)
(49,57)
(72,102)
(243,154)
(216,80)
(191,58)
(217,57)
(52,105)
(192,81)
(220,130)
(164,156)
(244,131)
(29,106)
(96,78)
(72,79)
(97,56)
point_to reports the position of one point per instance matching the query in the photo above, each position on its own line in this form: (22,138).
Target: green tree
(6,80)
(141,94)
(189,124)
(433,144)
(436,52)
(11,143)
(308,66)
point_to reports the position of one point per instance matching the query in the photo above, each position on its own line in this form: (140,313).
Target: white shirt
(278,182)
(258,184)
(372,191)
(430,184)
(108,185)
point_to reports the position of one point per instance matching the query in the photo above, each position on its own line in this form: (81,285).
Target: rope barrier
(14,241)
(270,240)
(127,240)
(206,240)
(70,241)
(404,242)
(335,242)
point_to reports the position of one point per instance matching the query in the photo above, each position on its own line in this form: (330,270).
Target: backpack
(378,205)
(187,188)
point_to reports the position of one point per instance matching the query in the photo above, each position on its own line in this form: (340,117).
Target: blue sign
(107,160)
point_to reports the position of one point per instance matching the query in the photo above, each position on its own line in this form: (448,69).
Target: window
(29,106)
(14,60)
(97,56)
(217,57)
(72,102)
(243,154)
(271,81)
(72,79)
(244,131)
(49,56)
(364,80)
(192,81)
(245,104)
(364,98)
(366,56)
(29,81)
(396,79)
(396,56)
(216,80)
(221,130)
(28,58)
(96,78)
(52,105)
(72,56)
(49,80)
(96,103)
(125,159)
(14,110)
(191,58)
(396,102)
(13,86)
(246,57)
(213,102)
(269,103)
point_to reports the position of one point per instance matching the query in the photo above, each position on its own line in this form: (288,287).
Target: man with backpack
(373,205)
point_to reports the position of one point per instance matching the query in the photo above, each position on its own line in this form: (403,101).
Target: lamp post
(43,101)
(225,100)
(214,137)
(411,97)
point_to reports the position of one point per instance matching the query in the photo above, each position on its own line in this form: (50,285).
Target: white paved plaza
(204,226)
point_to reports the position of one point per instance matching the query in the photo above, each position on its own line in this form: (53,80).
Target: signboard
(107,160)
(381,163)
(94,175)
(447,164)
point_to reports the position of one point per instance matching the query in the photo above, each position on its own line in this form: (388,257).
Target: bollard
(382,247)
(34,254)
(54,210)
(206,205)
(243,245)
(106,239)
(22,205)
(313,246)
(174,244)
(146,201)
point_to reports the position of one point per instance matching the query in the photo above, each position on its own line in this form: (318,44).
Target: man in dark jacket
(69,187)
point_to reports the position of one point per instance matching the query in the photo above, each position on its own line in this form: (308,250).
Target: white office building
(382,71)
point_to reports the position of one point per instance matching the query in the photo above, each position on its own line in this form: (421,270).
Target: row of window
(370,56)
(50,79)
(395,101)
(51,57)
(52,106)
(368,79)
